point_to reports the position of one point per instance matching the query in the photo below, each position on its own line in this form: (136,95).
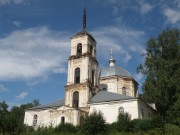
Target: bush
(95,124)
(66,127)
(157,121)
(171,129)
(112,127)
(44,131)
(124,122)
(142,124)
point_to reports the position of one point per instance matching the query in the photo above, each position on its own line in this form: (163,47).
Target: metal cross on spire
(112,60)
(84,17)
(111,53)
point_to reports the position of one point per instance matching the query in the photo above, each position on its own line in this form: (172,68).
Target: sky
(35,40)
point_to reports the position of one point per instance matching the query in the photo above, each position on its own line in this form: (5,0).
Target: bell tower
(82,80)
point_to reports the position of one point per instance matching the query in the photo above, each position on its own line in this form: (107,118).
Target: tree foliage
(3,117)
(95,124)
(162,71)
(12,121)
(124,122)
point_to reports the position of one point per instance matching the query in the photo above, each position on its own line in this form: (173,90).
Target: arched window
(79,49)
(62,120)
(91,50)
(121,110)
(81,120)
(77,75)
(35,118)
(124,91)
(92,77)
(76,99)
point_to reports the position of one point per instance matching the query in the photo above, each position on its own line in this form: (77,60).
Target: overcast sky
(35,40)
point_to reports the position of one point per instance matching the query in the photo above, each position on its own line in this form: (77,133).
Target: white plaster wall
(110,110)
(115,84)
(110,84)
(83,63)
(148,111)
(51,117)
(85,41)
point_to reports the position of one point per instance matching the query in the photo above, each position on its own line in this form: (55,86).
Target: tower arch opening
(79,49)
(77,75)
(76,99)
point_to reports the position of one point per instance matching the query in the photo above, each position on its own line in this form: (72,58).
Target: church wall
(84,94)
(115,84)
(110,84)
(52,117)
(78,63)
(144,110)
(110,110)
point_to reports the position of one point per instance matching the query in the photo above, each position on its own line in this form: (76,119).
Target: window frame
(35,119)
(121,109)
(76,99)
(124,91)
(62,120)
(79,49)
(77,75)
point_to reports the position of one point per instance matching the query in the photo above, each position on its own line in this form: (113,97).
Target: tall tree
(3,117)
(162,70)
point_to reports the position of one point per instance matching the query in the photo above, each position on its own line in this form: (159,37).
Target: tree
(36,102)
(95,124)
(162,70)
(124,122)
(3,117)
(13,121)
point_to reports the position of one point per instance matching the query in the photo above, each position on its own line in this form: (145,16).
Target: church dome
(114,71)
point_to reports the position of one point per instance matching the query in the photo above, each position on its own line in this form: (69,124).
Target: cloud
(22,95)
(124,41)
(17,2)
(3,89)
(17,24)
(145,8)
(138,77)
(173,16)
(33,53)
(12,104)
(135,5)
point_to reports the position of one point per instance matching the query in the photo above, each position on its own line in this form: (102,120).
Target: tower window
(92,77)
(91,50)
(62,120)
(76,99)
(77,75)
(35,118)
(79,49)
(124,90)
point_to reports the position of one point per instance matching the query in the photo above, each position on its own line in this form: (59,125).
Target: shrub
(44,131)
(112,127)
(66,127)
(94,124)
(171,129)
(157,121)
(124,122)
(142,124)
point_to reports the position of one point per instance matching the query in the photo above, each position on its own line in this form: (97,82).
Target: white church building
(110,91)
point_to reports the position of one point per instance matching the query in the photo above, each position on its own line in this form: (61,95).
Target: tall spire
(111,61)
(84,16)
